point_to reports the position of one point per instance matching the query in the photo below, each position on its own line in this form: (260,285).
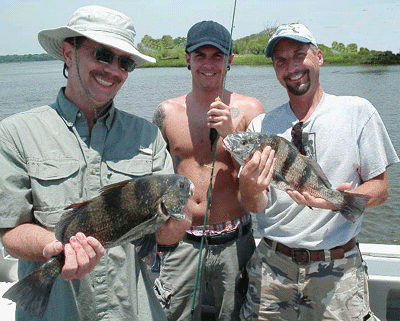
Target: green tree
(352,47)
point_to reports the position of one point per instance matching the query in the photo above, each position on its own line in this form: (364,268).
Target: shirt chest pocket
(123,169)
(55,183)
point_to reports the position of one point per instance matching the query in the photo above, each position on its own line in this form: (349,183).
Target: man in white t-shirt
(308,265)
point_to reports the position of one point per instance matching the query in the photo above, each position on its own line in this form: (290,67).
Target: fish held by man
(294,171)
(123,212)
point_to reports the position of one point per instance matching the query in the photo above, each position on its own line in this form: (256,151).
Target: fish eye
(243,143)
(181,185)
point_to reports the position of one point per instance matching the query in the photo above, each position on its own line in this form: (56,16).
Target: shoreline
(243,60)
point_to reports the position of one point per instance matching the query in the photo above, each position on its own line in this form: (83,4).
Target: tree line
(248,50)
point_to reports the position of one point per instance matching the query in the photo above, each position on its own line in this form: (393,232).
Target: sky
(368,23)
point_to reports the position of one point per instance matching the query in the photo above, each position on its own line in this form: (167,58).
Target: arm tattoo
(159,116)
(177,161)
(234,112)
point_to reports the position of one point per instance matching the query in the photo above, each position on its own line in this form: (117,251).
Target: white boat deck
(383,263)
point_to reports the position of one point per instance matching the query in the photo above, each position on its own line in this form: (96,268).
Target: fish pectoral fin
(279,181)
(318,170)
(140,230)
(132,235)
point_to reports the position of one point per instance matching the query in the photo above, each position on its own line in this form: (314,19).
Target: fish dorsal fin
(75,205)
(318,170)
(113,187)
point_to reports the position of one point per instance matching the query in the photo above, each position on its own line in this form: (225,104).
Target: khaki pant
(280,289)
(221,266)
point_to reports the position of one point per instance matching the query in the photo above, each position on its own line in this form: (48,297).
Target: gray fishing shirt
(49,160)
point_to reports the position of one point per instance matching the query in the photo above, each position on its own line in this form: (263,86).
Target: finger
(297,197)
(218,105)
(265,160)
(90,252)
(70,266)
(97,247)
(82,258)
(252,164)
(268,172)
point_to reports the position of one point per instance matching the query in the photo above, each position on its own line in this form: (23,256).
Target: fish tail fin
(32,293)
(353,205)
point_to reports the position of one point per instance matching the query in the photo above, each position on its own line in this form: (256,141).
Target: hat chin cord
(85,91)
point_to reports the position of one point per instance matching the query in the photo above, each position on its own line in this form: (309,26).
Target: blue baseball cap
(209,33)
(295,31)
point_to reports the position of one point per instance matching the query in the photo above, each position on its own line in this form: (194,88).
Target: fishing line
(214,136)
(85,90)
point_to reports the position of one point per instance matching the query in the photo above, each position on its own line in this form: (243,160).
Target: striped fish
(293,171)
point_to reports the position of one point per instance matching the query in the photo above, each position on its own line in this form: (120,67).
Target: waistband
(303,256)
(216,229)
(222,238)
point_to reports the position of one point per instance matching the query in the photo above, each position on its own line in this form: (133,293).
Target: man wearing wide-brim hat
(57,155)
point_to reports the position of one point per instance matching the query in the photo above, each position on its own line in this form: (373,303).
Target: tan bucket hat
(106,26)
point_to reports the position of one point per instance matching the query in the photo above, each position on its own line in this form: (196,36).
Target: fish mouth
(163,211)
(227,145)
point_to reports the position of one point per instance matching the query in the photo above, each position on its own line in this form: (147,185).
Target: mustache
(296,72)
(104,75)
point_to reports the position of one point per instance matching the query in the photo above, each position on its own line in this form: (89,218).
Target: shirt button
(100,279)
(93,171)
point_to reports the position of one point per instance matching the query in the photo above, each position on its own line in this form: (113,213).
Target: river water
(32,84)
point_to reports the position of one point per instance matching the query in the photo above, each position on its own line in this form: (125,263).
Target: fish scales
(291,171)
(294,171)
(123,212)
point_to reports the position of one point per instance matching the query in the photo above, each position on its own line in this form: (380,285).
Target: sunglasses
(106,56)
(297,137)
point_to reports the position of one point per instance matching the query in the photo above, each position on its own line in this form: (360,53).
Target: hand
(81,255)
(255,178)
(307,199)
(256,175)
(173,231)
(219,117)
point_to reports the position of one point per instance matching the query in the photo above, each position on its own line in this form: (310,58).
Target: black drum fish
(123,212)
(294,171)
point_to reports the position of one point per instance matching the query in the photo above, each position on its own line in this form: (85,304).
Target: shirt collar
(70,112)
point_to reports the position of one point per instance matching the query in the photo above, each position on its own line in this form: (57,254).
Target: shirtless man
(185,123)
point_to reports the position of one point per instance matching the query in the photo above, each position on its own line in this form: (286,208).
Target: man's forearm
(26,241)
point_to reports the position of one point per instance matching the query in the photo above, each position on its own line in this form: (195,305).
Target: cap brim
(51,40)
(271,44)
(207,43)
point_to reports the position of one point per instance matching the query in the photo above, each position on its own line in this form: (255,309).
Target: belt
(223,237)
(303,256)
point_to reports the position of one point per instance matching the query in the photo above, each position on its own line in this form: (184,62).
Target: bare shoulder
(244,102)
(249,107)
(168,107)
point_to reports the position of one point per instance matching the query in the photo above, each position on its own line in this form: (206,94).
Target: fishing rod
(213,132)
(214,136)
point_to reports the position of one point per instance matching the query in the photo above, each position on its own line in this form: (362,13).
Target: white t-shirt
(348,139)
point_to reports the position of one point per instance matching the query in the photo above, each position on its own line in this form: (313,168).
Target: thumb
(344,187)
(53,248)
